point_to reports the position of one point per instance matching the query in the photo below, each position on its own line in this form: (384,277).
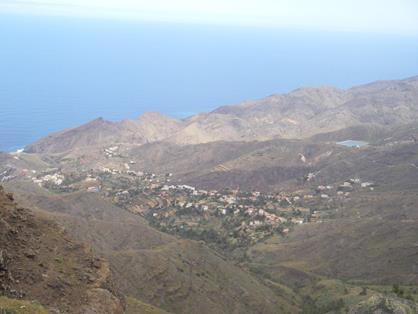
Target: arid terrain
(303,202)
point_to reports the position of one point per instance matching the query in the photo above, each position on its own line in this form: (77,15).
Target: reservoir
(353,143)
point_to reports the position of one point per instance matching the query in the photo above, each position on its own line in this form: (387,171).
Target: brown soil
(39,262)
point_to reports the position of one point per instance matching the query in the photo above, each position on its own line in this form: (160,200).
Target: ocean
(57,73)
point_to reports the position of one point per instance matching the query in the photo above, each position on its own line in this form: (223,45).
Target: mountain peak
(301,113)
(315,90)
(154,116)
(98,121)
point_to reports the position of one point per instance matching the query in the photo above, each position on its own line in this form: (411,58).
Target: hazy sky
(385,16)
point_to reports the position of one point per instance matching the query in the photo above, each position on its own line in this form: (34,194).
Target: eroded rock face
(385,305)
(39,262)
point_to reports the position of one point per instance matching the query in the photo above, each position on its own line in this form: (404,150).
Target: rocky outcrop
(385,305)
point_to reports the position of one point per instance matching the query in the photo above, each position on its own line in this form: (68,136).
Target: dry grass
(12,306)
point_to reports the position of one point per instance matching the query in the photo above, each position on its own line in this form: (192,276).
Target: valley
(272,206)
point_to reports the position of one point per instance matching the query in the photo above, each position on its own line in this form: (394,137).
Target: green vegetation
(135,306)
(12,306)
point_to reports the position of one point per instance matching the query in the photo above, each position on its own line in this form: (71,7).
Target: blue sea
(57,73)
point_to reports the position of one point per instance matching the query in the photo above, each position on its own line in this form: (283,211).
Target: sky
(378,16)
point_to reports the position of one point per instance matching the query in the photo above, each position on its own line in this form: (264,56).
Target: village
(228,219)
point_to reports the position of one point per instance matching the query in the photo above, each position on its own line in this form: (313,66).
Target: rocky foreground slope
(177,275)
(38,261)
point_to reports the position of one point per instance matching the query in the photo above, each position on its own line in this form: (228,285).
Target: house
(93,189)
(297,221)
(303,210)
(345,187)
(367,184)
(310,176)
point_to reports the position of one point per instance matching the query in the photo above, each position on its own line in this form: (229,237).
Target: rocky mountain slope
(177,275)
(38,261)
(299,114)
(255,208)
(308,111)
(149,127)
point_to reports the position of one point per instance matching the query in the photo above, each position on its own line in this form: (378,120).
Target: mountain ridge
(260,203)
(301,113)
